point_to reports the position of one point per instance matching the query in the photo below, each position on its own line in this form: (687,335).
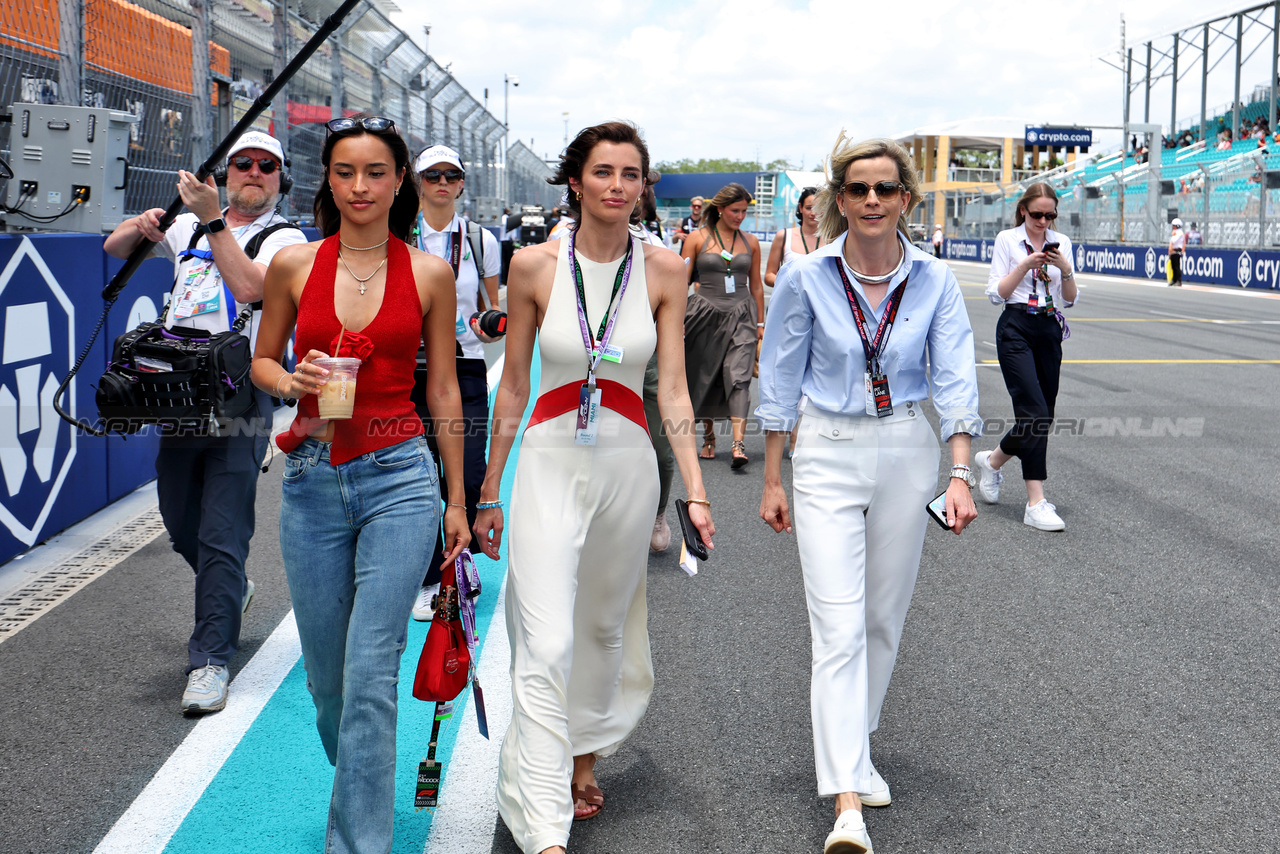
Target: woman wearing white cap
(1177,248)
(476,258)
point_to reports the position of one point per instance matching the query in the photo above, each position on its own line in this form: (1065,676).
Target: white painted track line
(159,810)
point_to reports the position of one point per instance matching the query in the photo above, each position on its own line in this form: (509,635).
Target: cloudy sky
(764,79)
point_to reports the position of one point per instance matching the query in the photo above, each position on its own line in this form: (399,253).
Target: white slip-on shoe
(1044,516)
(206,690)
(988,477)
(661,537)
(849,836)
(879,794)
(424,607)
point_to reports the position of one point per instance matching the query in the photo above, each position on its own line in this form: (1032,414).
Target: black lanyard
(871,347)
(455,251)
(733,244)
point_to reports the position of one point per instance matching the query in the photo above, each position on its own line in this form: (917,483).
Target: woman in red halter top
(361,498)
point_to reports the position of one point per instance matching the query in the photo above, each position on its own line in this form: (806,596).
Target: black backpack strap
(254,246)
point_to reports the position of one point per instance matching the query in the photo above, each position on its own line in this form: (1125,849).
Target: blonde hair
(830,223)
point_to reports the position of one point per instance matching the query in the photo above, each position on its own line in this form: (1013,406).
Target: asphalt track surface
(1109,688)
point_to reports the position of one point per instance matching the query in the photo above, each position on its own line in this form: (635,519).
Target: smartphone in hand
(1051,247)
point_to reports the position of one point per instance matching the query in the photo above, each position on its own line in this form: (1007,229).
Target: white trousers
(860,486)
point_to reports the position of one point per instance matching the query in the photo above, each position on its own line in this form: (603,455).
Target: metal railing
(139,57)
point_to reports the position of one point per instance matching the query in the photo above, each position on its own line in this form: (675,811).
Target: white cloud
(770,78)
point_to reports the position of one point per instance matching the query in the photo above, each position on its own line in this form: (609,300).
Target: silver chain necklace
(879,280)
(363,248)
(363,286)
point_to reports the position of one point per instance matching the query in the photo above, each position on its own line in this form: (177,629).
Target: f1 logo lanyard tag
(1041,274)
(587,429)
(879,401)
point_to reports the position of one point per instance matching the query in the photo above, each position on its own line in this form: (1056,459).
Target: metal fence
(141,58)
(1232,202)
(528,181)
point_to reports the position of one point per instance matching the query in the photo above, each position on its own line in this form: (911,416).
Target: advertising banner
(1060,137)
(1234,268)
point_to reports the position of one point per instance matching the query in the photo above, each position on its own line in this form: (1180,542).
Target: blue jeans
(354,539)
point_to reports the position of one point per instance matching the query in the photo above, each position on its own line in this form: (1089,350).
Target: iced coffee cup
(338,394)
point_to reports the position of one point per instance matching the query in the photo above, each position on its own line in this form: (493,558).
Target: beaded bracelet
(489,505)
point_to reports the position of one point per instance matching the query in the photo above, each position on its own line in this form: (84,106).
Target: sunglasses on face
(373,123)
(886,191)
(266,165)
(433,176)
(1038,215)
(696,207)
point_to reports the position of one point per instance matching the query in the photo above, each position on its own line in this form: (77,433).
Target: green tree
(715,164)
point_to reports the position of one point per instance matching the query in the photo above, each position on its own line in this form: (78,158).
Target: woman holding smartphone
(858,333)
(598,302)
(1032,277)
(361,499)
(722,323)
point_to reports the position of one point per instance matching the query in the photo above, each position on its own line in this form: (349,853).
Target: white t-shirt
(467,280)
(201,275)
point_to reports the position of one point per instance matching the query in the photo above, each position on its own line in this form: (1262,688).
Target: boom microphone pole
(139,254)
(143,249)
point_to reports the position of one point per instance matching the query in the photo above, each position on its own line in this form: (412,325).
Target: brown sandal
(708,451)
(589,795)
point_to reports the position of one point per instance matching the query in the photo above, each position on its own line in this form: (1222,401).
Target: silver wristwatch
(964,474)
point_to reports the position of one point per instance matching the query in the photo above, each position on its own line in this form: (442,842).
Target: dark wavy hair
(404,209)
(804,194)
(574,158)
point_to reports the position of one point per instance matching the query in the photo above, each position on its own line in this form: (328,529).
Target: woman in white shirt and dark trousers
(1031,276)
(869,309)
(440,231)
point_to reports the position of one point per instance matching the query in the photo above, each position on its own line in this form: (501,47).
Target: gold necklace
(362,282)
(363,248)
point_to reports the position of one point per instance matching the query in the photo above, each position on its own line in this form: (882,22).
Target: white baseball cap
(258,139)
(437,154)
(1177,223)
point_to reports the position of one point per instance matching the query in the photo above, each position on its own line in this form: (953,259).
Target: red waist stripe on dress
(614,395)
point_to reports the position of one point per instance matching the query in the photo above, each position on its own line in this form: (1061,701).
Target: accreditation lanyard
(454,257)
(1041,274)
(879,400)
(817,242)
(730,286)
(597,347)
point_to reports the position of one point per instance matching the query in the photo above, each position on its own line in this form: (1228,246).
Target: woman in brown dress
(723,319)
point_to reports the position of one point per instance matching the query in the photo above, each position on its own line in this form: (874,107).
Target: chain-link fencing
(140,58)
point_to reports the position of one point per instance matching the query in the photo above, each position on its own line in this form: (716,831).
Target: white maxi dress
(580,522)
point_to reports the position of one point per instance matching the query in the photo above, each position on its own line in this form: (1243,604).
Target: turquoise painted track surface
(272,794)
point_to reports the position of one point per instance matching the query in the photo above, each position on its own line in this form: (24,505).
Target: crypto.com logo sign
(29,372)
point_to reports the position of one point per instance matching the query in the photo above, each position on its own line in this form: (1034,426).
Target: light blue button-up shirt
(812,349)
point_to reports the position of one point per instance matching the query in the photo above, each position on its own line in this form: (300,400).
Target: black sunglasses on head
(433,176)
(373,123)
(885,190)
(1050,216)
(244,163)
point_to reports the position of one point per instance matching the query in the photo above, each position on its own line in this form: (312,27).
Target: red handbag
(445,663)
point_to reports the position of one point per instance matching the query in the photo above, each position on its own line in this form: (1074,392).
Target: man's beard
(242,205)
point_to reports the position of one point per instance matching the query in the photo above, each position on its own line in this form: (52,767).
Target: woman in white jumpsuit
(858,334)
(585,487)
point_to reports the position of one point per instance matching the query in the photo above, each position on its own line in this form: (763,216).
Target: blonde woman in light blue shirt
(866,461)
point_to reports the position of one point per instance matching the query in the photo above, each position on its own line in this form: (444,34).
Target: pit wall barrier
(50,301)
(1235,268)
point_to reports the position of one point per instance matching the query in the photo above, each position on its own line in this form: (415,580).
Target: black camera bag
(189,380)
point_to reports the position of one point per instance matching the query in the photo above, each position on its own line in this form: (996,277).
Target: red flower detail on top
(354,345)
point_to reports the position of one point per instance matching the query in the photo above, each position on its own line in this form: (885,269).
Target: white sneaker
(248,596)
(424,607)
(206,690)
(849,836)
(988,477)
(879,794)
(1044,516)
(661,538)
